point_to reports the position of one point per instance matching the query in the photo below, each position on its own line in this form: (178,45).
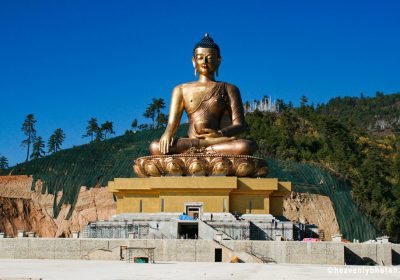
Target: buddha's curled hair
(207,42)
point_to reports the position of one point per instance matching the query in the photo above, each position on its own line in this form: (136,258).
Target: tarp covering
(311,179)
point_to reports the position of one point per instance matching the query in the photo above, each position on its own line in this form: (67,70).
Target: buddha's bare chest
(194,96)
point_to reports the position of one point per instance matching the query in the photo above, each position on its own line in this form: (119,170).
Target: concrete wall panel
(186,250)
(7,248)
(334,253)
(205,251)
(90,245)
(21,248)
(41,248)
(67,249)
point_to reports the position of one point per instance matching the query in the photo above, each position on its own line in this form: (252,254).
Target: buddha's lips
(204,66)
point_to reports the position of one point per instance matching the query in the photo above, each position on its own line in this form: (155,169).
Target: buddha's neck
(206,78)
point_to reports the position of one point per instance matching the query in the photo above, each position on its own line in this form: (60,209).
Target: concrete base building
(195,196)
(215,207)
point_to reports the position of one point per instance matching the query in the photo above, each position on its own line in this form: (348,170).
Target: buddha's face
(206,61)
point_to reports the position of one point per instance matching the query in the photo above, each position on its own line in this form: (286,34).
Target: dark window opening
(188,230)
(218,255)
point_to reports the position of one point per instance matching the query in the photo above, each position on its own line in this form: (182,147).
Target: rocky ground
(311,209)
(23,209)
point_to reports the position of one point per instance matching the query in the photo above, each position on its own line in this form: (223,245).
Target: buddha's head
(206,56)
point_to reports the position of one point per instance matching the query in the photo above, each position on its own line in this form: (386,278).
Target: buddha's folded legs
(234,147)
(182,145)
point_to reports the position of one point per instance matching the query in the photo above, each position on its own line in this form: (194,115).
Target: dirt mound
(312,209)
(15,186)
(23,209)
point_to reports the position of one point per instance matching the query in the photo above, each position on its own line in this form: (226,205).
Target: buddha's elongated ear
(194,66)
(219,63)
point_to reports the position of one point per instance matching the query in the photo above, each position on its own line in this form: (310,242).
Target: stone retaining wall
(328,253)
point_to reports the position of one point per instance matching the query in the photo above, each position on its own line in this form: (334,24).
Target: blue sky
(68,61)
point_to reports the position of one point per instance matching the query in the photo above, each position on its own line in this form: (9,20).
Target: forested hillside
(338,138)
(375,114)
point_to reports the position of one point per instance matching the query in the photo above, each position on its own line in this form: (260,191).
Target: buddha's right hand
(165,143)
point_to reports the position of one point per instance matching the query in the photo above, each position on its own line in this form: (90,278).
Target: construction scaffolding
(130,254)
(115,229)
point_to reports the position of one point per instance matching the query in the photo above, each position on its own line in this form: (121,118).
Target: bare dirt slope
(312,209)
(23,209)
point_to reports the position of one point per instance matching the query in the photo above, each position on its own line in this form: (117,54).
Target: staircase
(246,257)
(211,232)
(256,233)
(321,234)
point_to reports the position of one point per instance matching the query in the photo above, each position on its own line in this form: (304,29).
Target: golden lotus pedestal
(200,165)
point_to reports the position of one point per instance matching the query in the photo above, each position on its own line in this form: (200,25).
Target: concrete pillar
(30,234)
(278,237)
(337,238)
(21,233)
(131,235)
(1,234)
(75,234)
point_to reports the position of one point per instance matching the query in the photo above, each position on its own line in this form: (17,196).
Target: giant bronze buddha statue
(214,109)
(216,116)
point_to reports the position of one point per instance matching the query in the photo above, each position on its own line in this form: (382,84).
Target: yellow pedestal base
(209,194)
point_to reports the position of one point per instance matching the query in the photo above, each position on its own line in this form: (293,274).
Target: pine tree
(303,101)
(107,129)
(247,107)
(3,162)
(162,120)
(134,124)
(144,126)
(396,169)
(28,128)
(56,140)
(93,130)
(150,113)
(158,104)
(38,148)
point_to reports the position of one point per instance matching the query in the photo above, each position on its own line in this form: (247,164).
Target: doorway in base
(193,211)
(218,255)
(188,230)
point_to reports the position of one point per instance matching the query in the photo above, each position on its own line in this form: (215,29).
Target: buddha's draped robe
(218,109)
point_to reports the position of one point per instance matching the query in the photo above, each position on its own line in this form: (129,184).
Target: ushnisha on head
(206,42)
(206,57)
